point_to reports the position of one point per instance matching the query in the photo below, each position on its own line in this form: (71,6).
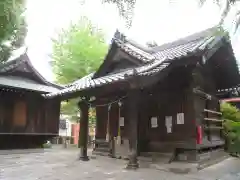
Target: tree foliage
(231,116)
(230,112)
(12,27)
(126,9)
(77,51)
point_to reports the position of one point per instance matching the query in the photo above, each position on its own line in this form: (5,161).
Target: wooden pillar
(113,125)
(98,123)
(132,115)
(83,130)
(101,122)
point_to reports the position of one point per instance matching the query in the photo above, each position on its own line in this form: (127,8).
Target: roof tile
(156,60)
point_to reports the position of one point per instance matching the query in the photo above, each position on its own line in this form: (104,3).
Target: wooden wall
(28,113)
(169,97)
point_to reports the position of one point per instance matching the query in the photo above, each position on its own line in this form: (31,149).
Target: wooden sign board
(180,118)
(169,129)
(121,121)
(154,122)
(168,121)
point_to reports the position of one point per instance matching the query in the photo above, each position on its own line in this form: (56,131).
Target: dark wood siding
(28,113)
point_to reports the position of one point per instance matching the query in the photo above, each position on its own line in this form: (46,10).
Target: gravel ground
(62,164)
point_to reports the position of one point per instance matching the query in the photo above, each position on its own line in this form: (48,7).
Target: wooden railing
(211,111)
(213,124)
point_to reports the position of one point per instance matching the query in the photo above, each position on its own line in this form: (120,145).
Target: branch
(225,11)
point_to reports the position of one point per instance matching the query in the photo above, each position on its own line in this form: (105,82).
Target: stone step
(100,153)
(105,144)
(102,149)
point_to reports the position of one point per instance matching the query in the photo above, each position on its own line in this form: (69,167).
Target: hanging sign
(154,122)
(121,121)
(169,129)
(180,118)
(168,121)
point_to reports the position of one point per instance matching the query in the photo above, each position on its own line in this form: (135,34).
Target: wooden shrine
(158,99)
(27,119)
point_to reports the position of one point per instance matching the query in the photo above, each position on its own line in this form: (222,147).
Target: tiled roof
(174,50)
(229,89)
(156,59)
(82,80)
(23,83)
(9,66)
(87,82)
(134,51)
(180,50)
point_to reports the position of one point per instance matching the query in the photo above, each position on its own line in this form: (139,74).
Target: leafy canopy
(12,27)
(230,112)
(77,51)
(231,124)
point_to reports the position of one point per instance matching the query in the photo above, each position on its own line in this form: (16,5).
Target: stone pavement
(62,164)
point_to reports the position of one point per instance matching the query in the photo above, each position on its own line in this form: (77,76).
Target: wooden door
(19,114)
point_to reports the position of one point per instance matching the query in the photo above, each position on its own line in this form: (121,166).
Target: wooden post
(132,115)
(113,127)
(83,130)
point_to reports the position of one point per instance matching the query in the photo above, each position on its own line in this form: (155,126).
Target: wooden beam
(212,119)
(211,111)
(215,45)
(202,94)
(213,128)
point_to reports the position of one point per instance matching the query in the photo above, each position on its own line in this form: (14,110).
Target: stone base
(102,148)
(131,166)
(195,156)
(215,157)
(185,167)
(84,158)
(191,162)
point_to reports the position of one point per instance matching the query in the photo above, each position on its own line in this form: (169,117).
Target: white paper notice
(121,121)
(169,129)
(180,118)
(154,122)
(168,121)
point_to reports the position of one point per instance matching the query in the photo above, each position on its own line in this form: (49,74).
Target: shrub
(230,112)
(231,116)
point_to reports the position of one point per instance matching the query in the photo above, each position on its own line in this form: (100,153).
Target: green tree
(12,27)
(77,51)
(126,9)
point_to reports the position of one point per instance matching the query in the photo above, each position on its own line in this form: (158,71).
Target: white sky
(153,20)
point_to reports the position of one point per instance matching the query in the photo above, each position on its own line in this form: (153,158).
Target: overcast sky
(153,20)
